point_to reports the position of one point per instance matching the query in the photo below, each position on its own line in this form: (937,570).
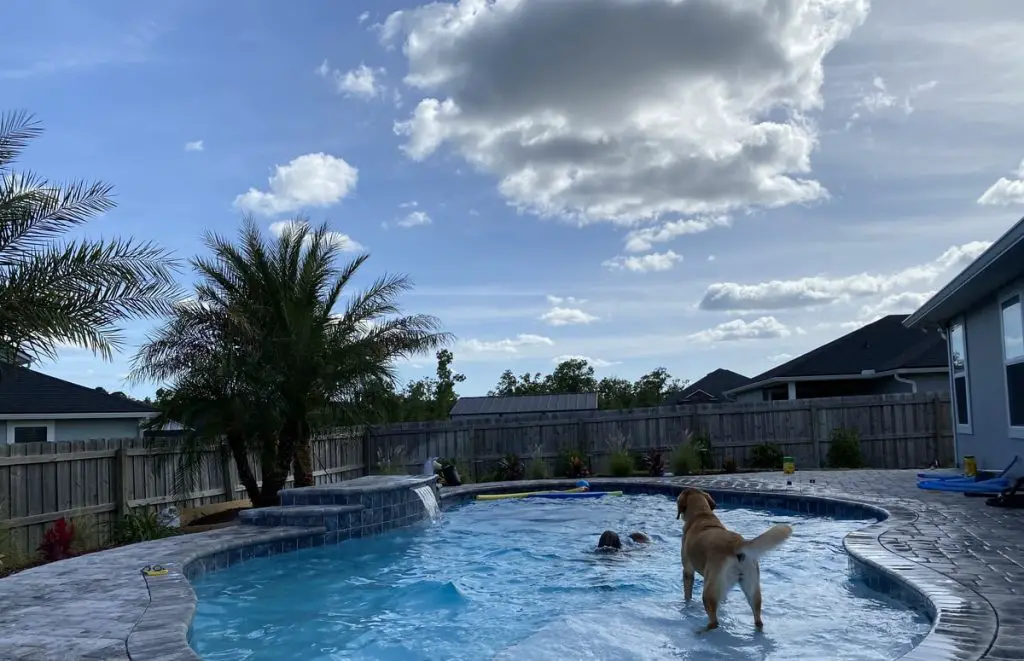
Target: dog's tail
(764,543)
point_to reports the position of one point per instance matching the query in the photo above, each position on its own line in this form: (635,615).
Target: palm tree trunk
(239,451)
(274,459)
(303,464)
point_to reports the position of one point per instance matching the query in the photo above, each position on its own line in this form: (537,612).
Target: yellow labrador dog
(721,556)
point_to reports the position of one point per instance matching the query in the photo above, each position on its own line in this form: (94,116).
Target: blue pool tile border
(964,624)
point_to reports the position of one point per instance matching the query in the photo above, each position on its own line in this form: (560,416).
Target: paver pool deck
(100,606)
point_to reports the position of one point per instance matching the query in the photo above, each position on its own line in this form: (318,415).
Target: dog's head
(693,501)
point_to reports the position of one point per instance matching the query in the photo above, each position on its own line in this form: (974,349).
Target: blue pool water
(518,579)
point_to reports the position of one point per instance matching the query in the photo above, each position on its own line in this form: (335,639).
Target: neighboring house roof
(524,404)
(715,384)
(992,270)
(878,349)
(26,393)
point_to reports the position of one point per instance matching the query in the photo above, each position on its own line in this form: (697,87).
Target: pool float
(578,492)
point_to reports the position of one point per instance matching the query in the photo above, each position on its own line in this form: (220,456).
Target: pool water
(519,579)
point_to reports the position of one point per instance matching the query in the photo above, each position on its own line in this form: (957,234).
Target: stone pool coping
(54,608)
(964,624)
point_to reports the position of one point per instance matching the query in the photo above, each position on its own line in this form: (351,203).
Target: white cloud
(702,107)
(195,145)
(763,328)
(901,303)
(363,17)
(362,82)
(655,261)
(559,316)
(415,219)
(312,180)
(1005,191)
(779,358)
(343,242)
(508,345)
(642,240)
(879,99)
(711,258)
(819,290)
(594,362)
(412,204)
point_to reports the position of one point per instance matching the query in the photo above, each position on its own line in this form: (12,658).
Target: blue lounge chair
(935,476)
(996,485)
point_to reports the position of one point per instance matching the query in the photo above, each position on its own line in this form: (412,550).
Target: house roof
(991,271)
(27,392)
(586,401)
(715,383)
(877,349)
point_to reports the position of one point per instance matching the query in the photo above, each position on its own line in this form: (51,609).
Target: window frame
(1006,297)
(15,424)
(964,428)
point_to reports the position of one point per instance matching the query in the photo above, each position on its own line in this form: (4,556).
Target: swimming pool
(519,580)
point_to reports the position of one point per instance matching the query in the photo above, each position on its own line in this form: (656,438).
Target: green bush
(729,465)
(685,460)
(537,469)
(140,525)
(510,468)
(844,449)
(701,443)
(766,455)
(621,464)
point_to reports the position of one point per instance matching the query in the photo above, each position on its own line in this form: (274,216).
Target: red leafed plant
(57,541)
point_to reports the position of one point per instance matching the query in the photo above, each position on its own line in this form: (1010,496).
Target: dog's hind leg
(711,600)
(750,583)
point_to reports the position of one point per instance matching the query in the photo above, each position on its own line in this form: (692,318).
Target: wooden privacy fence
(100,480)
(896,431)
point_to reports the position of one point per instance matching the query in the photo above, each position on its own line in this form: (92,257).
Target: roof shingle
(26,392)
(525,404)
(714,383)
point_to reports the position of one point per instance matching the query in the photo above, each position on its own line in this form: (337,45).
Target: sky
(691,184)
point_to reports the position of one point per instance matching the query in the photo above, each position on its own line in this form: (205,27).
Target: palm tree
(283,337)
(72,292)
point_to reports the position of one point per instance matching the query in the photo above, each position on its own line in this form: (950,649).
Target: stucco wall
(85,430)
(926,383)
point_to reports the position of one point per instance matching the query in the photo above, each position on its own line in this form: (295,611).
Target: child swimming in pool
(610,541)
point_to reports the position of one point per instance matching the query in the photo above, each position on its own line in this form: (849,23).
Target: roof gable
(525,404)
(27,392)
(882,346)
(715,383)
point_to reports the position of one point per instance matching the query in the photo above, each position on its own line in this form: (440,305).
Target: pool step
(372,491)
(331,517)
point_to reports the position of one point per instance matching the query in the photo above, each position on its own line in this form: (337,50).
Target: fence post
(227,467)
(121,464)
(367,458)
(815,441)
(937,422)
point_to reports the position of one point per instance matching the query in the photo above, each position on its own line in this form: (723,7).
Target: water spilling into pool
(519,580)
(429,500)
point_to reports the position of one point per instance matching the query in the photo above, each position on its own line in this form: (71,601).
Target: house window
(958,369)
(31,434)
(1013,360)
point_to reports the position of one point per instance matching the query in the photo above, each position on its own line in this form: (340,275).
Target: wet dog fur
(722,557)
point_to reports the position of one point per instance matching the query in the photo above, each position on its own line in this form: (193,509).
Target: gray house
(979,313)
(36,408)
(881,358)
(710,389)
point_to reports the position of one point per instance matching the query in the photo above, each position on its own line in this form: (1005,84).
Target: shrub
(654,461)
(57,541)
(621,464)
(139,525)
(685,460)
(509,468)
(574,465)
(844,449)
(389,462)
(766,455)
(537,469)
(701,443)
(729,465)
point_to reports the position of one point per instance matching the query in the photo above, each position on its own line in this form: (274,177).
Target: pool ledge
(964,624)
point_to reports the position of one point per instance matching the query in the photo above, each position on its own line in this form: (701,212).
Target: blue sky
(688,202)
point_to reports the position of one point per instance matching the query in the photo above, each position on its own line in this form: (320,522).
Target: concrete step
(331,517)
